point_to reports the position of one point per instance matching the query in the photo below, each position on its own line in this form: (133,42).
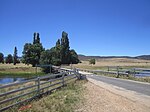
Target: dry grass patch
(19,68)
(124,62)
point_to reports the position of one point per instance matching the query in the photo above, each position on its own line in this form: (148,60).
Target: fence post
(134,72)
(63,79)
(117,72)
(38,88)
(79,75)
(36,69)
(50,69)
(108,68)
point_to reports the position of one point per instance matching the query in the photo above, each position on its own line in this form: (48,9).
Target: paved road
(129,85)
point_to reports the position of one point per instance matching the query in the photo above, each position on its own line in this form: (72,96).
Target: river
(6,80)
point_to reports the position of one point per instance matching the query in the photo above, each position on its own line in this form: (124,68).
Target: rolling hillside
(143,57)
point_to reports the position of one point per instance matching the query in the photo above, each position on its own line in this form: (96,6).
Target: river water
(143,75)
(6,80)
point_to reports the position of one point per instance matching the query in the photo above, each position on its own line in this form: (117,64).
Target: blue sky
(95,27)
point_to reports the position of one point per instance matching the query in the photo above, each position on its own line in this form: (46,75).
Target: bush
(92,61)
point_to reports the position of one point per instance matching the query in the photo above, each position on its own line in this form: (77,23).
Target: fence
(20,92)
(118,71)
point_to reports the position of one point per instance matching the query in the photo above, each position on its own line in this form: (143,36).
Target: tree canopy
(9,59)
(1,58)
(34,53)
(74,57)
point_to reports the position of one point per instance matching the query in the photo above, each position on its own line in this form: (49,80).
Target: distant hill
(83,57)
(146,57)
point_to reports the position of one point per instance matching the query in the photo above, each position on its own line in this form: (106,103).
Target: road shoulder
(100,99)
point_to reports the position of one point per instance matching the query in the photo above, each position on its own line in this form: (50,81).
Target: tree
(26,53)
(56,53)
(65,53)
(49,57)
(9,59)
(58,48)
(1,58)
(38,38)
(55,60)
(74,57)
(32,52)
(46,58)
(34,38)
(92,61)
(15,57)
(58,43)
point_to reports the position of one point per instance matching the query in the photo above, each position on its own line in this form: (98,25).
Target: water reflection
(6,80)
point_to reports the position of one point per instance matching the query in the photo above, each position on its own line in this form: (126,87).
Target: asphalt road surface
(141,88)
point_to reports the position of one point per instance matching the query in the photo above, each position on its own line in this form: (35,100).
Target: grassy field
(19,70)
(122,62)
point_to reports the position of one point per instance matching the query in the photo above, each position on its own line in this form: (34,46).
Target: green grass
(66,99)
(19,70)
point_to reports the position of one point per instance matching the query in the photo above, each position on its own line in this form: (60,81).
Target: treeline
(10,58)
(34,53)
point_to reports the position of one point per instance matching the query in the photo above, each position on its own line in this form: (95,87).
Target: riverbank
(16,68)
(19,70)
(10,73)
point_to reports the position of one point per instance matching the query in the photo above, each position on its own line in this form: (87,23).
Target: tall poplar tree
(34,38)
(15,56)
(65,53)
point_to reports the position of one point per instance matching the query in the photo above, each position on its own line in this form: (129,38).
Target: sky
(94,27)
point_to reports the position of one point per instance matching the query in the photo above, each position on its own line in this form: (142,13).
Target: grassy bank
(19,70)
(66,99)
